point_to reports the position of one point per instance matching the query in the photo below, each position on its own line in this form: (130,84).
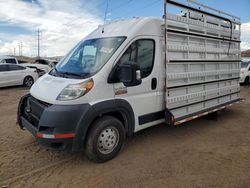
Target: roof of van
(129,28)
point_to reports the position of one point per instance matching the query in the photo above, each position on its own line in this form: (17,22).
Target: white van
(123,78)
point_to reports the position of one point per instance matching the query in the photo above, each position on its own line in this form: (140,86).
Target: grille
(33,110)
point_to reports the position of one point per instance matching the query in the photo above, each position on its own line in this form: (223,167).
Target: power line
(71,22)
(120,6)
(136,9)
(77,18)
(114,10)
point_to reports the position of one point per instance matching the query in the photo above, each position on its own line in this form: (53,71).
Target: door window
(11,61)
(15,68)
(3,68)
(2,61)
(141,52)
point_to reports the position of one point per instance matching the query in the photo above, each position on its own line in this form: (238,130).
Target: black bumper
(53,126)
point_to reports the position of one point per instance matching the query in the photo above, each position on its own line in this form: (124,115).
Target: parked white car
(245,72)
(41,69)
(11,74)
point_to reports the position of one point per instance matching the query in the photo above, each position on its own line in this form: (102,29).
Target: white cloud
(63,23)
(245,36)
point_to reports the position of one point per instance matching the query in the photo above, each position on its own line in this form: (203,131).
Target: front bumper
(53,126)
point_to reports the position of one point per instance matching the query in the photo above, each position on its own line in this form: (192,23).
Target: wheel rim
(28,81)
(108,140)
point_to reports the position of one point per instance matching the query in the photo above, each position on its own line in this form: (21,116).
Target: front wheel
(105,139)
(28,81)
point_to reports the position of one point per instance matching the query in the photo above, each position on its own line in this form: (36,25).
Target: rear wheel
(28,81)
(105,139)
(247,80)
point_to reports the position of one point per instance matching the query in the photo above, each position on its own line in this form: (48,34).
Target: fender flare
(97,110)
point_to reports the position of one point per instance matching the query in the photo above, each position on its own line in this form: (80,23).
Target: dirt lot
(201,153)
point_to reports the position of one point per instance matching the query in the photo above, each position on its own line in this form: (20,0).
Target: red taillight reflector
(69,135)
(53,136)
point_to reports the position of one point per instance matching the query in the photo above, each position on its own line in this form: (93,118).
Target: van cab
(98,82)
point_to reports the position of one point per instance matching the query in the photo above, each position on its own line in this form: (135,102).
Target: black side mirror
(130,74)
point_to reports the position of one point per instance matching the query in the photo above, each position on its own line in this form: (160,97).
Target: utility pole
(38,42)
(20,46)
(14,51)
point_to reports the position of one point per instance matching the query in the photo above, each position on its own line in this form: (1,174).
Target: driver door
(142,98)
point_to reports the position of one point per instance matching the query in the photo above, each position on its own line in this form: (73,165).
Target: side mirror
(130,74)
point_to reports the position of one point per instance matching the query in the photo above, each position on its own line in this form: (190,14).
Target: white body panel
(45,68)
(245,72)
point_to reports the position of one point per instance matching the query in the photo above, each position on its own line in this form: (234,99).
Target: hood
(48,87)
(46,68)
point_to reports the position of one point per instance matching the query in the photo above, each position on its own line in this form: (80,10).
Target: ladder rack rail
(213,9)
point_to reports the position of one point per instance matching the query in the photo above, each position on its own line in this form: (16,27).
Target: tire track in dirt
(32,172)
(19,161)
(201,153)
(21,147)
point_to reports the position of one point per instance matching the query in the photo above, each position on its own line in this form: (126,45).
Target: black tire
(28,81)
(246,82)
(105,139)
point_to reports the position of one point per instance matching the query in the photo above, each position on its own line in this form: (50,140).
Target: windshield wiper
(72,74)
(54,72)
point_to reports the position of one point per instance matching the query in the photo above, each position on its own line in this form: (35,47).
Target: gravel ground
(207,152)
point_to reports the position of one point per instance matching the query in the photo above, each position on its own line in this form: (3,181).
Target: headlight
(74,91)
(242,73)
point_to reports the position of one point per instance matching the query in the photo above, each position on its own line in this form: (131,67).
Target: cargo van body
(132,74)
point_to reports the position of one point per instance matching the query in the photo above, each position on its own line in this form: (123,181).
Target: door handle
(153,83)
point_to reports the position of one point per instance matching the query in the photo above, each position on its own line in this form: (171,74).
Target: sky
(63,23)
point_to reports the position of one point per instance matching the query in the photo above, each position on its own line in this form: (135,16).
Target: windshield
(244,64)
(89,56)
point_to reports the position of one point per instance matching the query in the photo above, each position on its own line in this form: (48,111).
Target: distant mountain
(25,59)
(245,53)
